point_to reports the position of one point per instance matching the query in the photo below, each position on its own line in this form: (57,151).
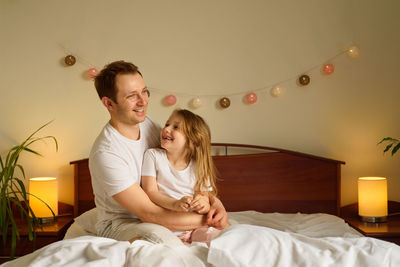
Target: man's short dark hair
(105,80)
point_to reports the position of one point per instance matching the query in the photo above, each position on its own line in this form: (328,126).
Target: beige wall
(208,48)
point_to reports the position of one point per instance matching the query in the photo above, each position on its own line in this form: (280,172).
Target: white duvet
(258,239)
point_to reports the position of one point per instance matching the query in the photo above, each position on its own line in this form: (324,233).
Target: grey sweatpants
(125,229)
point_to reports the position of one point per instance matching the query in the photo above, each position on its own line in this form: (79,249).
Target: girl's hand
(200,203)
(182,204)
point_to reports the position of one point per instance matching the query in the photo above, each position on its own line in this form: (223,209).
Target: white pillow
(88,220)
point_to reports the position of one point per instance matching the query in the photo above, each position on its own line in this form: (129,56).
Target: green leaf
(385,139)
(13,239)
(41,127)
(392,143)
(395,149)
(22,170)
(387,148)
(22,187)
(43,138)
(1,163)
(31,151)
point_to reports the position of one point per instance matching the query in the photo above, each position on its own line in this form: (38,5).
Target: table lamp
(372,199)
(46,189)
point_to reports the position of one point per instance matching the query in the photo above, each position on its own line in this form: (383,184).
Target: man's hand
(200,203)
(217,216)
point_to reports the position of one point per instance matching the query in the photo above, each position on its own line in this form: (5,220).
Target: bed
(284,207)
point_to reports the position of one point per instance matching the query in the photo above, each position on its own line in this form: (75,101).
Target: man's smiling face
(132,98)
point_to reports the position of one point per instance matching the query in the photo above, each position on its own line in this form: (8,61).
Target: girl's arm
(137,202)
(149,185)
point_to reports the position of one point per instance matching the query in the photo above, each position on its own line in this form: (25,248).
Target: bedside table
(388,231)
(44,236)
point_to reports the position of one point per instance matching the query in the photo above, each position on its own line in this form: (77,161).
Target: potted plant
(391,143)
(13,195)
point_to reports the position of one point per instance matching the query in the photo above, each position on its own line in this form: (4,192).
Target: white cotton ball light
(353,52)
(196,102)
(275,91)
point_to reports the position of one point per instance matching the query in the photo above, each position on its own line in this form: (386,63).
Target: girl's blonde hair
(198,137)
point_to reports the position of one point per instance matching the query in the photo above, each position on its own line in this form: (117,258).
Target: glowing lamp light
(372,199)
(46,189)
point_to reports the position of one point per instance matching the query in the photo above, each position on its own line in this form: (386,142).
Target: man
(124,210)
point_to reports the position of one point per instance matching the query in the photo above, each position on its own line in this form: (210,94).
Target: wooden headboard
(257,178)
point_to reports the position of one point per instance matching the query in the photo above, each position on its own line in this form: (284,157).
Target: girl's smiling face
(172,137)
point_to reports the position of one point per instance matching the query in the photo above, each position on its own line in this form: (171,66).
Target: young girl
(180,175)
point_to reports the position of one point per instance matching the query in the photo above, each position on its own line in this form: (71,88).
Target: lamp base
(374,219)
(48,220)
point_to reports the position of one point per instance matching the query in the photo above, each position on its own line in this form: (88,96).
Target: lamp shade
(372,199)
(46,189)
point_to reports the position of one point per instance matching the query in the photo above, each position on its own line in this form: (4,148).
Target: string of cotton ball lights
(275,91)
(250,97)
(70,59)
(91,73)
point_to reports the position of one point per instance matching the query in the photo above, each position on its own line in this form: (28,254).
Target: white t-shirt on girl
(171,182)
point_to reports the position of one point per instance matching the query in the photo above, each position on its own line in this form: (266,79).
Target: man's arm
(136,201)
(217,216)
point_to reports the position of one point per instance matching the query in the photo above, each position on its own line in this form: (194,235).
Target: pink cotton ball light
(251,98)
(328,69)
(92,73)
(170,100)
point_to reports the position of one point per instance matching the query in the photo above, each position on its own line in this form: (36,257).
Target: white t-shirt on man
(115,164)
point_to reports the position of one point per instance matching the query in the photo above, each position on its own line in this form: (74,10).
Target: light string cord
(255,90)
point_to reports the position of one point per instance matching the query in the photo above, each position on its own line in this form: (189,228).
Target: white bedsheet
(99,252)
(249,245)
(259,239)
(313,225)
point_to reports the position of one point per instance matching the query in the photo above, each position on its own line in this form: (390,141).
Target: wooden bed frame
(258,178)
